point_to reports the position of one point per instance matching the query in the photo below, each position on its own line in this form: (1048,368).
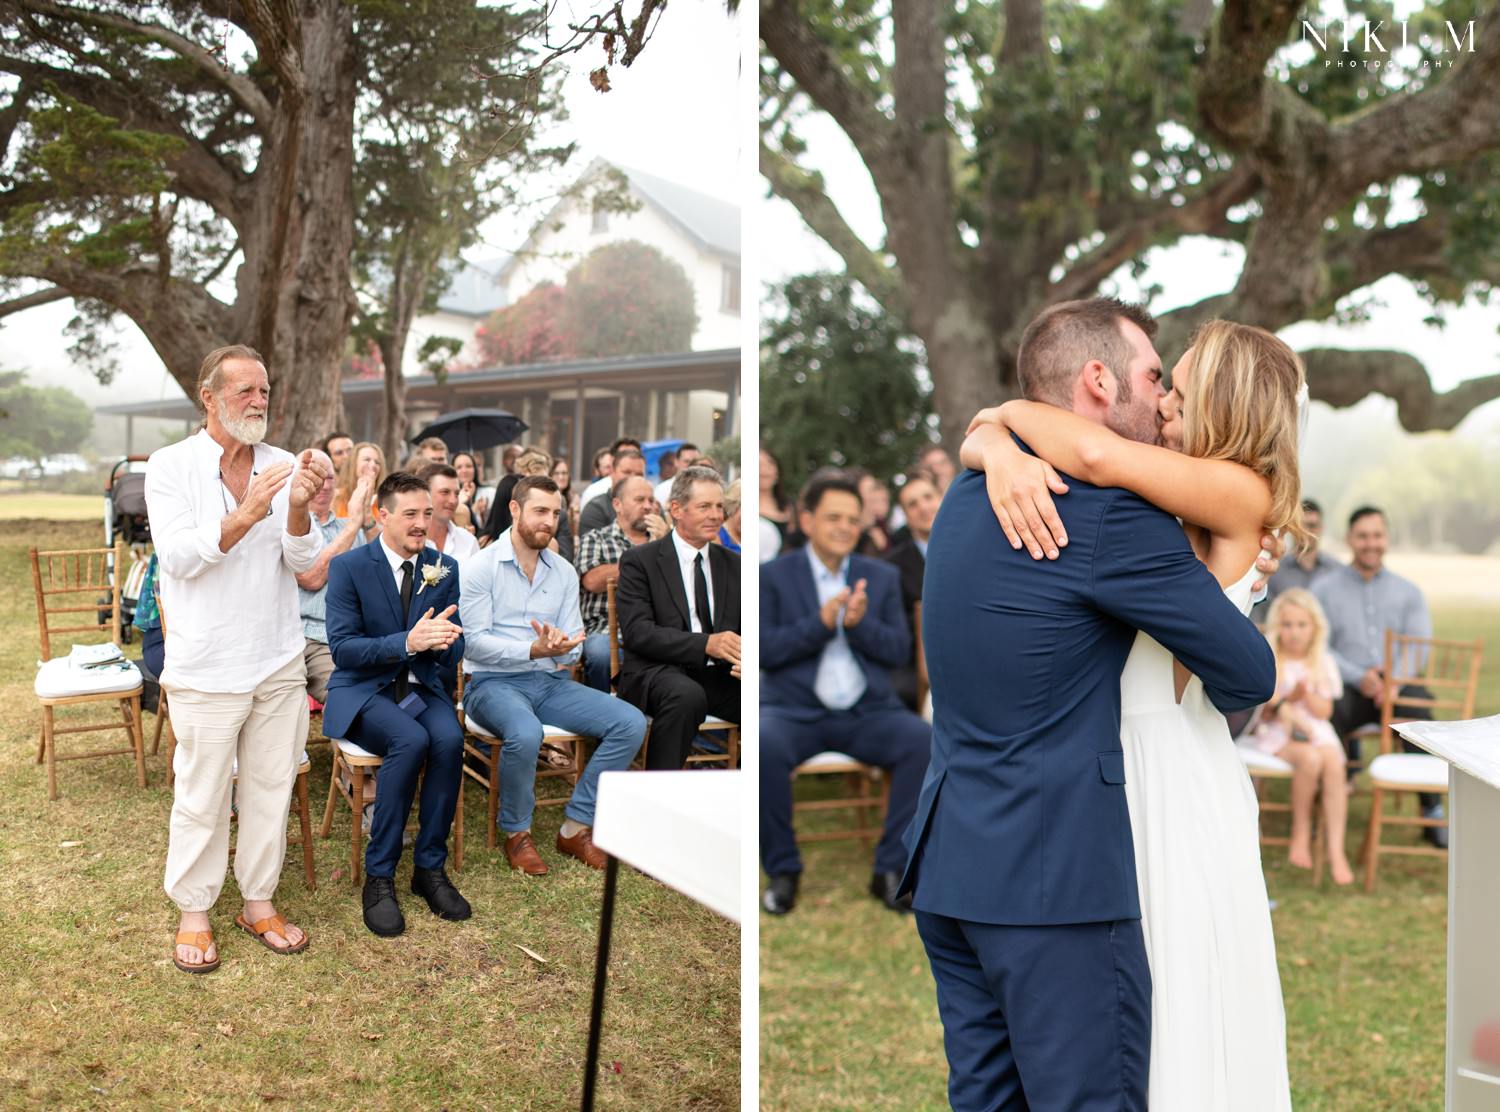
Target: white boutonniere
(432,575)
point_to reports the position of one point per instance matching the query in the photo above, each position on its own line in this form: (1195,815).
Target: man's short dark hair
(432,470)
(523,489)
(915,475)
(684,448)
(1311,507)
(1065,336)
(625,442)
(682,482)
(824,481)
(330,438)
(398,482)
(1365,511)
(627,453)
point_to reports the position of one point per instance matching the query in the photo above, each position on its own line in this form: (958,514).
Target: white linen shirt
(459,543)
(232,618)
(496,605)
(686,554)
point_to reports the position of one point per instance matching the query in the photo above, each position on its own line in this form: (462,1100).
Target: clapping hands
(854,602)
(307,480)
(551,641)
(433,632)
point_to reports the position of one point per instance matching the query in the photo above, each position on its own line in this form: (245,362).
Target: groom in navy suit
(1022,869)
(396,654)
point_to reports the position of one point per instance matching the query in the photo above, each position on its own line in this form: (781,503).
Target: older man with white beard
(229,516)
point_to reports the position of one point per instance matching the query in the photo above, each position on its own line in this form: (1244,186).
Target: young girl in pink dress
(1294,725)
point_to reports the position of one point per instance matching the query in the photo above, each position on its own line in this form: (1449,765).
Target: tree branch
(1342,378)
(1205,214)
(32,300)
(816,71)
(242,89)
(804,191)
(1455,118)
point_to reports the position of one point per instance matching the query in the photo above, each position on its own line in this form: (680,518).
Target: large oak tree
(191,165)
(1025,150)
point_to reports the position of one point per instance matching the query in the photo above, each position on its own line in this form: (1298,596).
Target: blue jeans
(514,705)
(596,661)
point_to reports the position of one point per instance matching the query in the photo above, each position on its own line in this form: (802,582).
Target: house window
(601,219)
(729,300)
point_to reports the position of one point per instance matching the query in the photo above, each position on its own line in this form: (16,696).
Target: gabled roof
(711,223)
(476,289)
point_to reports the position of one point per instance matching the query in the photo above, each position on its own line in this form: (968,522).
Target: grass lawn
(57,507)
(94,1014)
(849,1015)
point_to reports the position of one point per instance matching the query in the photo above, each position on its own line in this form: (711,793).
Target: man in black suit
(919,499)
(679,608)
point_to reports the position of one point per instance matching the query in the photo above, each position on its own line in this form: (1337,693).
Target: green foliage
(628,298)
(838,382)
(1437,491)
(40,421)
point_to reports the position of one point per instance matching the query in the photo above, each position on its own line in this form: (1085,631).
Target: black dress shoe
(382,912)
(883,887)
(434,886)
(781,894)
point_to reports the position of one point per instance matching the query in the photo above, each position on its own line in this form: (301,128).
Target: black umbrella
(473,430)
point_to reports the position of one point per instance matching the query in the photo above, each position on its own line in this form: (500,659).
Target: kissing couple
(1085,858)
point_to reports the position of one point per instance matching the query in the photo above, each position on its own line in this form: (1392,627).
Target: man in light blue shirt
(518,606)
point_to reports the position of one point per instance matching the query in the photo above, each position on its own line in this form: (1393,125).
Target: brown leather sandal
(264,926)
(201,939)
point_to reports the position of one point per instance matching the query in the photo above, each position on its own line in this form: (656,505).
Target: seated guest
(729,532)
(1363,599)
(390,606)
(446,536)
(607,479)
(919,500)
(364,459)
(935,458)
(778,517)
(875,538)
(473,495)
(600,512)
(599,555)
(431,450)
(831,628)
(1303,568)
(531,461)
(339,535)
(519,607)
(678,604)
(671,463)
(337,446)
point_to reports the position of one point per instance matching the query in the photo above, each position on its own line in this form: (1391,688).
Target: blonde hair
(349,477)
(1243,407)
(533,461)
(1301,599)
(731,498)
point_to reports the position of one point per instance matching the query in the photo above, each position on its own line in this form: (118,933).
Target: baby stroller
(125,519)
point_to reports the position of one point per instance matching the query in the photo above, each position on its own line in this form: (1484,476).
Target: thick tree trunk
(393,394)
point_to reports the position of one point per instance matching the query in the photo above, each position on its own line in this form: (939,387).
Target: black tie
(403,684)
(700,594)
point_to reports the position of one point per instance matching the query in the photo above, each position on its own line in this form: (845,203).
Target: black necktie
(403,684)
(700,594)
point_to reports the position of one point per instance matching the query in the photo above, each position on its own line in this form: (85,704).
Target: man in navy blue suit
(396,653)
(1022,868)
(832,626)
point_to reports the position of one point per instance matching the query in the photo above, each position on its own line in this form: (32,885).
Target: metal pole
(601,969)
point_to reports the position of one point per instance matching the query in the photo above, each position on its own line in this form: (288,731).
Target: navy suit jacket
(1022,817)
(793,636)
(367,632)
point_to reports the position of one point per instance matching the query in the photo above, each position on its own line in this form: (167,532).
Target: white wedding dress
(1218,1028)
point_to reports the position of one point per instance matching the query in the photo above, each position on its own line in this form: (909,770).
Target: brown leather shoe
(581,846)
(521,852)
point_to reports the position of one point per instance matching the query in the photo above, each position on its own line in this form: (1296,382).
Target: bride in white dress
(1218,1038)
